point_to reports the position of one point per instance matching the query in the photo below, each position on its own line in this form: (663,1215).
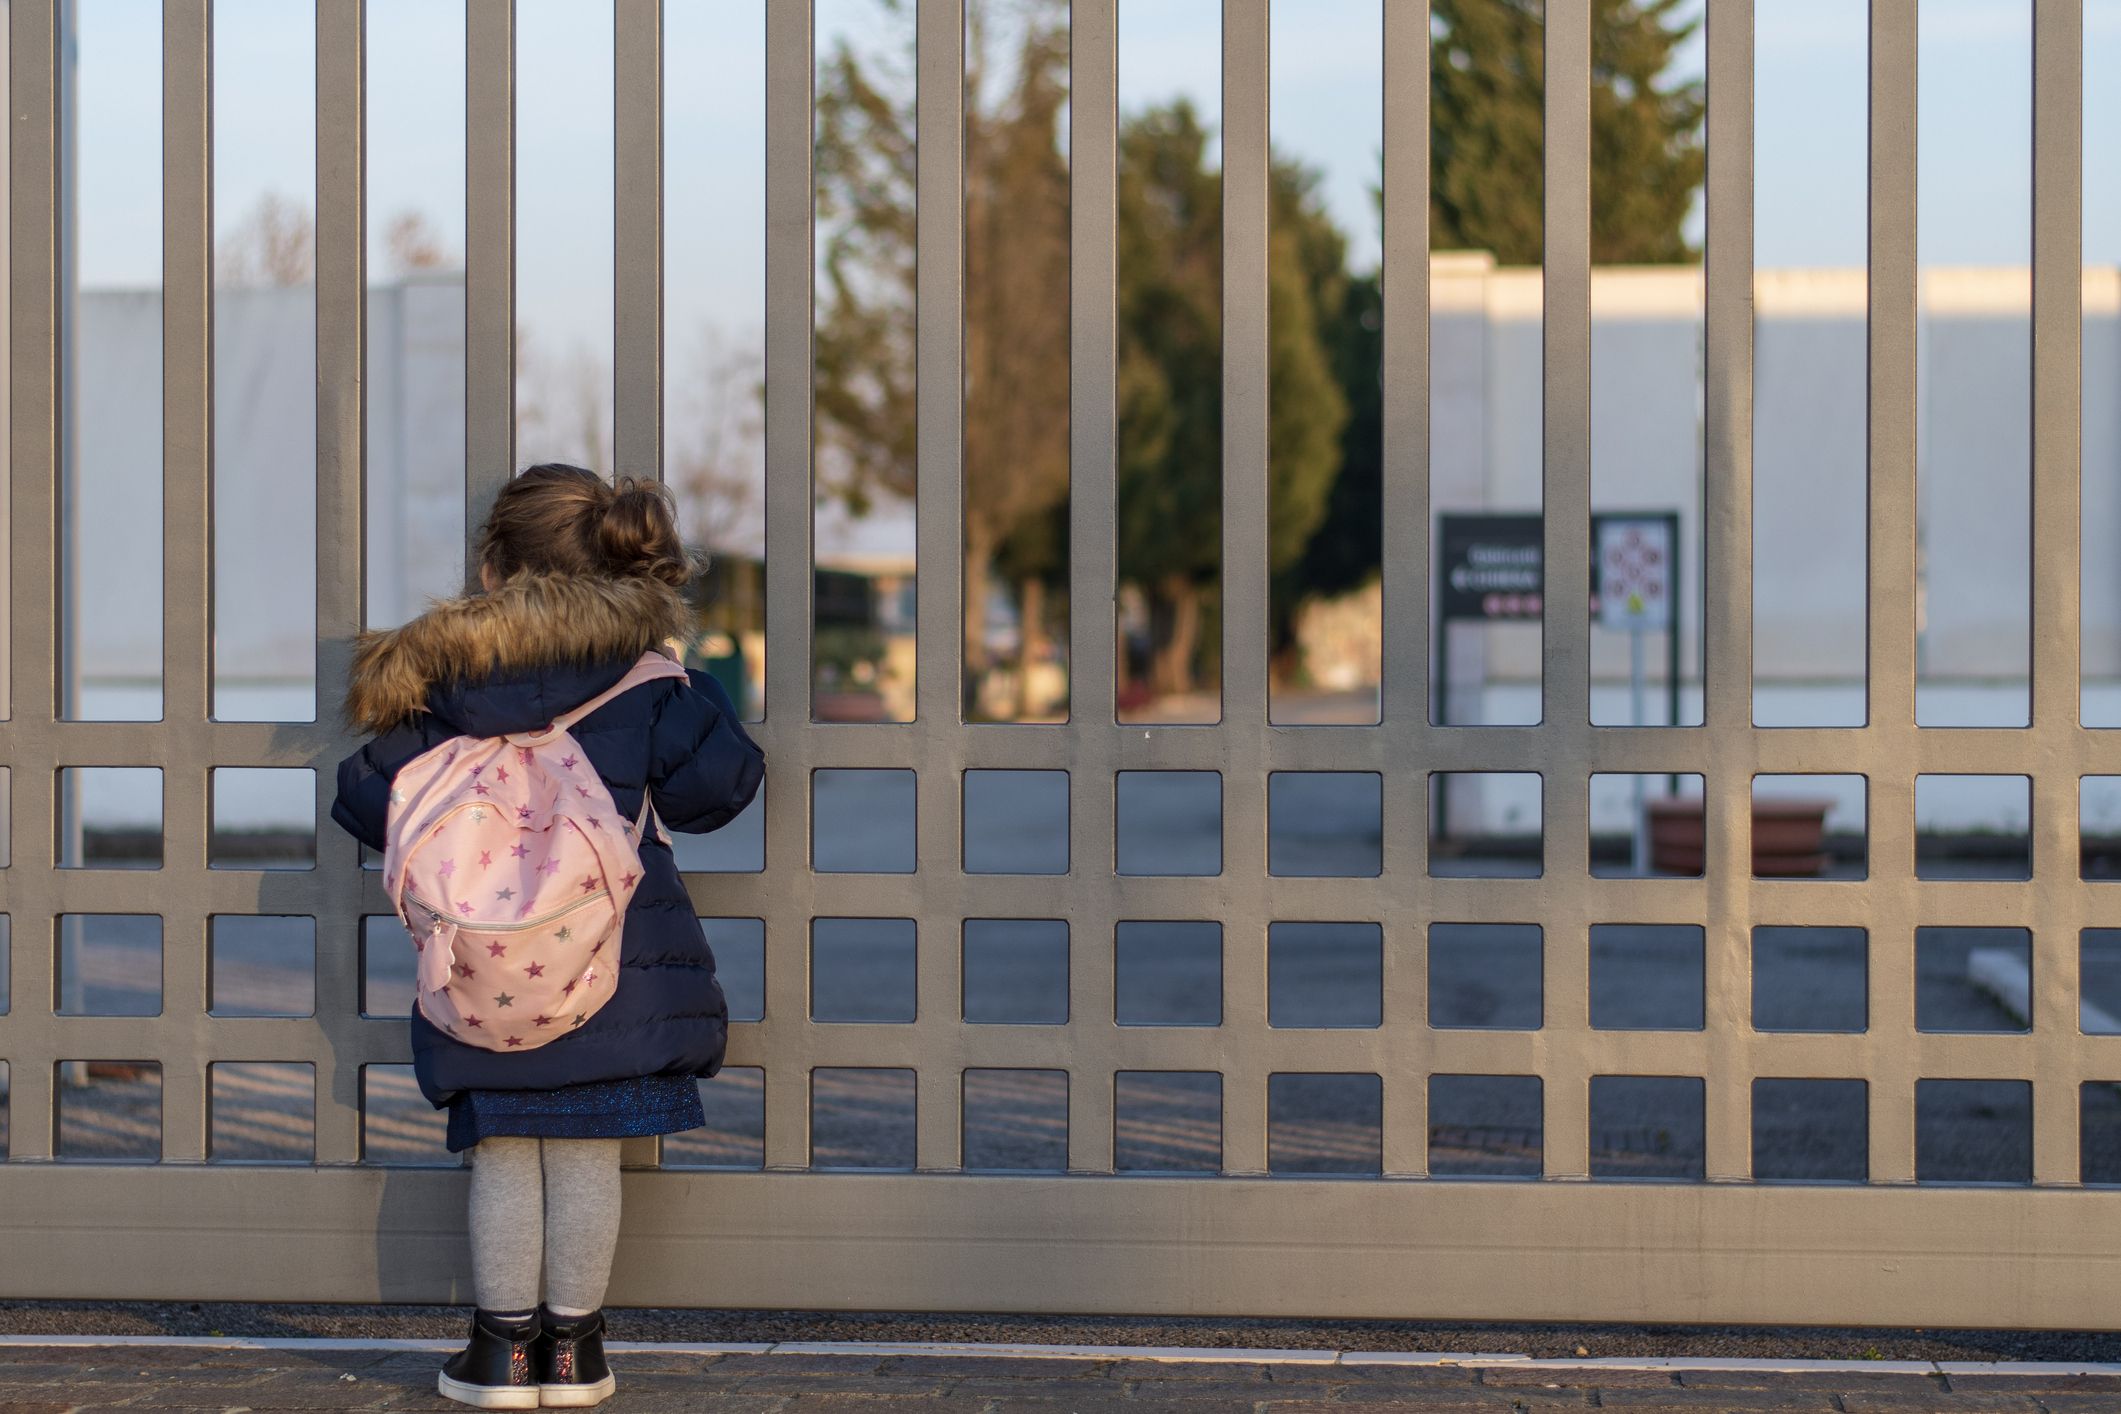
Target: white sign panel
(1635,573)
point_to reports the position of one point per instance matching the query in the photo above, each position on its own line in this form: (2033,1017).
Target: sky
(1973,133)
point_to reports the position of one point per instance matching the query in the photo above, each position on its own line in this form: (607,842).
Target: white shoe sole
(577,1396)
(488,1396)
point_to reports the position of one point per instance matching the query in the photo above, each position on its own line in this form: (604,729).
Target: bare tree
(415,245)
(714,463)
(273,244)
(563,404)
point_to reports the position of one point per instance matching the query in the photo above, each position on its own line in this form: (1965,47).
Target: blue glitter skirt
(606,1109)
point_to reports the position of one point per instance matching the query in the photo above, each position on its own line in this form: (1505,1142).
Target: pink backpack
(512,869)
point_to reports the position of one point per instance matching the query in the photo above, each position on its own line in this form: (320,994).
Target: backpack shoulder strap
(651,666)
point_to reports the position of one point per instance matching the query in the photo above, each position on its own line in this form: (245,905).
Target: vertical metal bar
(637,280)
(789,81)
(187,384)
(939,377)
(1245,512)
(638,241)
(187,540)
(342,357)
(1093,167)
(489,261)
(1406,370)
(33,562)
(939,244)
(7,535)
(1727,570)
(2058,314)
(1403,704)
(1892,576)
(1245,509)
(1566,481)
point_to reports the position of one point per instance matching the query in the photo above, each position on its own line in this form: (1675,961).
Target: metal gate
(1239,1242)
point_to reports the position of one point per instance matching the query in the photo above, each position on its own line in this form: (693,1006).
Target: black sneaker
(494,1371)
(569,1360)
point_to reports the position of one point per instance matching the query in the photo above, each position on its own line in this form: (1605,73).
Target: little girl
(580,578)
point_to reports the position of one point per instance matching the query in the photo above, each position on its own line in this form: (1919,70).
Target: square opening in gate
(1325,1124)
(1647,826)
(1486,1126)
(110,817)
(1648,1126)
(110,1111)
(2099,828)
(1016,971)
(1973,827)
(261,1112)
(5,1090)
(2099,1135)
(261,966)
(862,969)
(6,963)
(1016,822)
(1167,973)
(399,1129)
(734,1136)
(1486,976)
(1168,823)
(109,964)
(389,967)
(1811,1131)
(1167,1121)
(1325,974)
(1811,827)
(1973,979)
(739,947)
(1485,825)
(1811,979)
(862,822)
(739,847)
(1016,1121)
(264,818)
(861,1119)
(1325,824)
(2098,981)
(1646,976)
(1974,1131)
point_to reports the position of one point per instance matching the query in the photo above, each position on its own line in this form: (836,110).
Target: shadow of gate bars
(1242,1240)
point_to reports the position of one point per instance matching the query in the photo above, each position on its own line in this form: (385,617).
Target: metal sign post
(1633,592)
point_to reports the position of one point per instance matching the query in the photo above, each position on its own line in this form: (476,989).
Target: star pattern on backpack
(568,866)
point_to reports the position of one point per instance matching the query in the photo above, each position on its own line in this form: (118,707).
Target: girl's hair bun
(637,533)
(560,519)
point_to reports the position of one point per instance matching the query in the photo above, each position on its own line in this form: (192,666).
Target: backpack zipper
(523,925)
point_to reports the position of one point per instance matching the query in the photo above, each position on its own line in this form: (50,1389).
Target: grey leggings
(549,1202)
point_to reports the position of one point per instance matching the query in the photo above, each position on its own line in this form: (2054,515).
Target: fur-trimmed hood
(532,622)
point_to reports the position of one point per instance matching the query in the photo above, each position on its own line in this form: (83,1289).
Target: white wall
(1809,459)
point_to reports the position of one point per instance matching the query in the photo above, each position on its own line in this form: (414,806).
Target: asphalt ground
(49,1380)
(403,1322)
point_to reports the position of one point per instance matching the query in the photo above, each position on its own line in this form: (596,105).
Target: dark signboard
(1491,566)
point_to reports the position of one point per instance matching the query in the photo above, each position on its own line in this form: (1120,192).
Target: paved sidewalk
(58,1379)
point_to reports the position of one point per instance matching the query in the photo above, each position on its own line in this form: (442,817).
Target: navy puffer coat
(511,661)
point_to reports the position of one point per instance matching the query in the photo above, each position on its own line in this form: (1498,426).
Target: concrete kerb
(1167,1353)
